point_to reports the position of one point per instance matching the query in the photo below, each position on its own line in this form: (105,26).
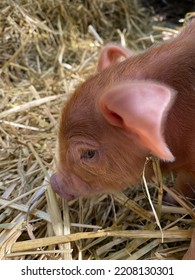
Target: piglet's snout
(60,186)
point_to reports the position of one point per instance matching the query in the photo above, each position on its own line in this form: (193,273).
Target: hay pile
(46,48)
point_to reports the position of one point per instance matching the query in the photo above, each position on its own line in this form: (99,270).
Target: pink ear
(110,55)
(140,107)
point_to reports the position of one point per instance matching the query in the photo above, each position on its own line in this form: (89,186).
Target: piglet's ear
(141,108)
(112,54)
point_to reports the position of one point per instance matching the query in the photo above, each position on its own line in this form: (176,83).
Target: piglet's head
(107,128)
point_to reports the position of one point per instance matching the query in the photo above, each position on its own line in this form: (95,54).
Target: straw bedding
(46,49)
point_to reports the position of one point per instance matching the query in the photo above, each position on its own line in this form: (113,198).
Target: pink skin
(128,110)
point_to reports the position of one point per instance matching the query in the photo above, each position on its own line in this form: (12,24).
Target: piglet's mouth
(58,189)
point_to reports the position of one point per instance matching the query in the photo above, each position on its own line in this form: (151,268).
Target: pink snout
(61,186)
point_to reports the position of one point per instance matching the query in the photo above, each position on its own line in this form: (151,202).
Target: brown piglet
(128,110)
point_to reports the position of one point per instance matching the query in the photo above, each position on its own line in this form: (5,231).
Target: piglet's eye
(88,154)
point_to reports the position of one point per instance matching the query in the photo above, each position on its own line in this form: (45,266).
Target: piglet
(127,111)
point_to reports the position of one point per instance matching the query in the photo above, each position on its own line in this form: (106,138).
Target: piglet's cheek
(59,186)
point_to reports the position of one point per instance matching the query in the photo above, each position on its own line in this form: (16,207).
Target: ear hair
(111,54)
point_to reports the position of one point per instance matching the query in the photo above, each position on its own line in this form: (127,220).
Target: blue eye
(88,154)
